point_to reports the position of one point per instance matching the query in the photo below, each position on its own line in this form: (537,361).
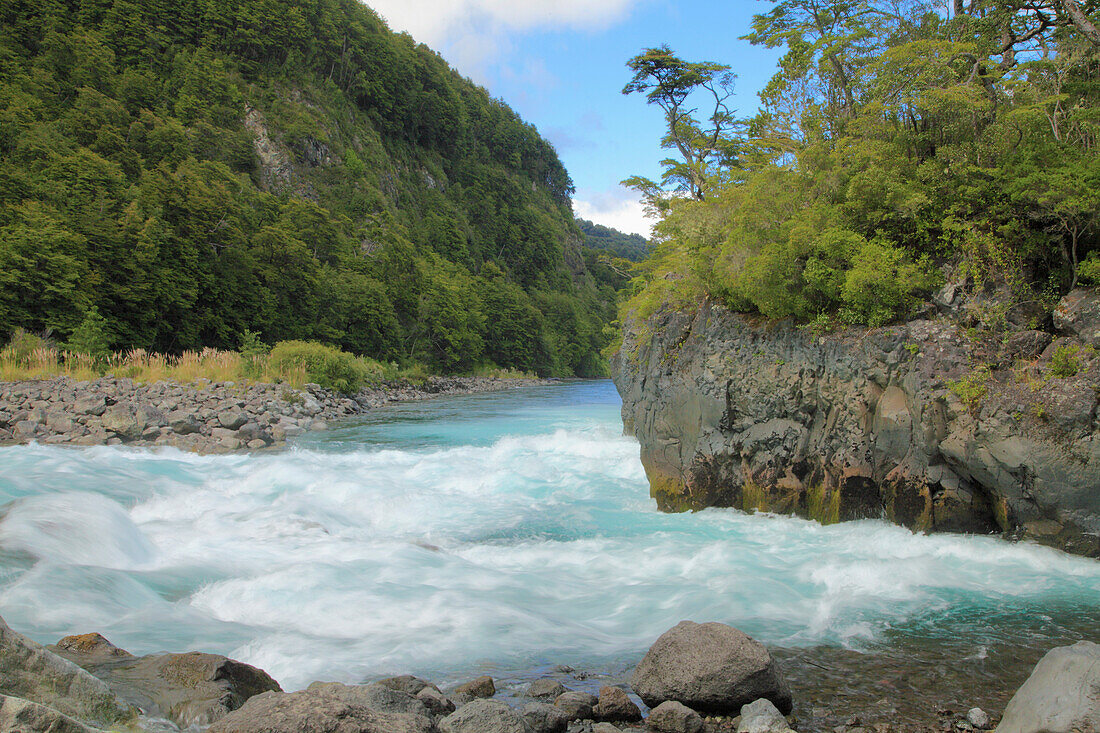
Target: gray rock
(30,671)
(404,683)
(255,444)
(604,727)
(59,422)
(1061,695)
(24,429)
(23,716)
(436,702)
(481,687)
(545,687)
(710,667)
(483,716)
(615,705)
(90,405)
(183,422)
(979,719)
(1078,314)
(85,649)
(673,717)
(189,689)
(762,717)
(577,705)
(543,718)
(151,416)
(304,712)
(232,419)
(374,696)
(120,420)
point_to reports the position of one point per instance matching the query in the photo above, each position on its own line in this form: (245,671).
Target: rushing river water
(498,533)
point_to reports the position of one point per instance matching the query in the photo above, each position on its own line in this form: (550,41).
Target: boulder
(90,405)
(374,696)
(673,717)
(1061,695)
(120,420)
(1078,314)
(30,671)
(183,422)
(404,683)
(84,649)
(710,667)
(232,419)
(543,718)
(545,687)
(189,689)
(979,719)
(577,705)
(762,717)
(305,712)
(483,716)
(604,728)
(24,716)
(480,687)
(615,705)
(436,702)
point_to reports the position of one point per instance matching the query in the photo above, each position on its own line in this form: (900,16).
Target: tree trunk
(1081,20)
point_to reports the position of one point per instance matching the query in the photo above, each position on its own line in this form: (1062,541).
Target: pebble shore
(203,417)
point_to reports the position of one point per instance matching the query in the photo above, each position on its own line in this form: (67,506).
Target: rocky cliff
(948,423)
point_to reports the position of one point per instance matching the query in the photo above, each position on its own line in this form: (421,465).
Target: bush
(23,344)
(1063,363)
(325,365)
(90,337)
(884,284)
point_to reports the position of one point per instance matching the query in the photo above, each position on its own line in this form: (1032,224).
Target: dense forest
(633,247)
(195,169)
(900,144)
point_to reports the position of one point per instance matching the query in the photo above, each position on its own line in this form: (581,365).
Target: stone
(1078,314)
(762,716)
(23,716)
(673,717)
(481,687)
(304,712)
(59,422)
(435,701)
(979,719)
(90,648)
(90,405)
(604,727)
(543,718)
(318,425)
(232,419)
(24,429)
(577,705)
(615,705)
(374,696)
(183,422)
(30,671)
(545,687)
(483,716)
(189,689)
(121,421)
(404,683)
(1062,694)
(255,444)
(711,667)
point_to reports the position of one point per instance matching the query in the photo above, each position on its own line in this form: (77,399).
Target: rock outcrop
(24,716)
(930,424)
(1062,695)
(712,668)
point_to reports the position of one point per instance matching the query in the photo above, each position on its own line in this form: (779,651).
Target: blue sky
(561,64)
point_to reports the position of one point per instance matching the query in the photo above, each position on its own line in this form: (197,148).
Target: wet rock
(762,716)
(481,687)
(1062,694)
(546,687)
(375,696)
(544,718)
(88,649)
(435,701)
(483,716)
(673,717)
(303,712)
(615,705)
(577,705)
(30,671)
(23,716)
(710,667)
(404,683)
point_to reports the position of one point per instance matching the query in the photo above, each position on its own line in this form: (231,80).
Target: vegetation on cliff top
(191,170)
(897,141)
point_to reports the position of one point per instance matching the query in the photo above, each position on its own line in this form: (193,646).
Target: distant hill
(292,167)
(633,247)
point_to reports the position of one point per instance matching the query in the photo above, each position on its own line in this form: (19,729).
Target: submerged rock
(1062,695)
(710,667)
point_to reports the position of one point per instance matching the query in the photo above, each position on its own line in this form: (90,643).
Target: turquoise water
(498,533)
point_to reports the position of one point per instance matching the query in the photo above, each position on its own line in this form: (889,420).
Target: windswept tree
(705,146)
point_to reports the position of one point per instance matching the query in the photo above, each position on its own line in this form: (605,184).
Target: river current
(500,534)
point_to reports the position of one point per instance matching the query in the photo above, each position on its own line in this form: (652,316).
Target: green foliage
(23,344)
(131,180)
(633,247)
(1063,363)
(325,365)
(91,337)
(972,388)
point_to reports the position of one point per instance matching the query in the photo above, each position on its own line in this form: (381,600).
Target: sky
(561,64)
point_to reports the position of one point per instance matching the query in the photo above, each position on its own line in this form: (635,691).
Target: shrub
(23,344)
(1063,363)
(972,388)
(91,336)
(325,365)
(884,284)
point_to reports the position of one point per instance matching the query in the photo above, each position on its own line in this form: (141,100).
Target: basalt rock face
(929,424)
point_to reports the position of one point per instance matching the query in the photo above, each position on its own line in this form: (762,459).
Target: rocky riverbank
(204,417)
(958,421)
(696,678)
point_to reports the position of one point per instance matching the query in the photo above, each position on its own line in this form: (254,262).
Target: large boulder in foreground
(309,712)
(710,667)
(24,716)
(30,671)
(483,716)
(1061,695)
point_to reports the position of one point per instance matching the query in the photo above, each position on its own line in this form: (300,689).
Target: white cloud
(619,208)
(440,22)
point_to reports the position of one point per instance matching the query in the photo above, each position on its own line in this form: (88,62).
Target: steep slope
(292,167)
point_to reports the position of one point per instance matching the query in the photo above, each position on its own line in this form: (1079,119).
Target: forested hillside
(633,247)
(899,144)
(194,169)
